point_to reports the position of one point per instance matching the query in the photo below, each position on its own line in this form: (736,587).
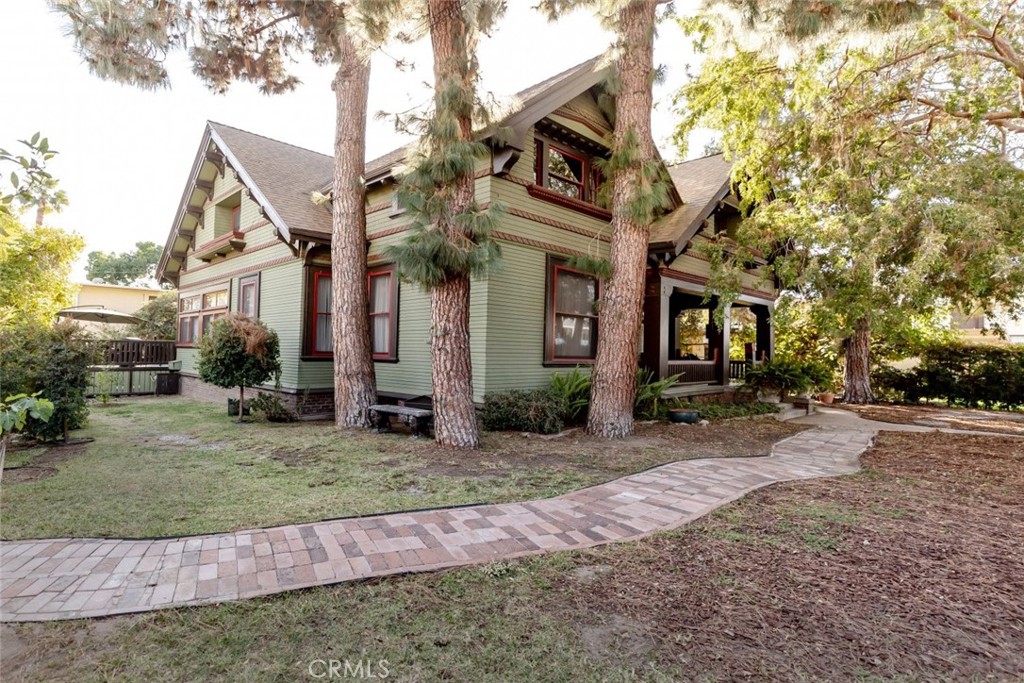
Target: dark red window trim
(586,200)
(317,277)
(554,266)
(391,313)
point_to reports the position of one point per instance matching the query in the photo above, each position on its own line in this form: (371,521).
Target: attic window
(566,171)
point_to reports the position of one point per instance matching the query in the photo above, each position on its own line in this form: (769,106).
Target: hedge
(537,411)
(960,374)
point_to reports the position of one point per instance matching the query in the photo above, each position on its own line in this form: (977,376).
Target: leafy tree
(237,351)
(127,268)
(31,183)
(639,192)
(128,41)
(35,271)
(449,241)
(159,318)
(877,194)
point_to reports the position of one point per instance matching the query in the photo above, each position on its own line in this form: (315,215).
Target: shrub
(960,374)
(725,411)
(63,379)
(237,351)
(271,408)
(649,403)
(780,375)
(573,390)
(537,411)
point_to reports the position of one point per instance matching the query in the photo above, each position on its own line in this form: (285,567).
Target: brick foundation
(312,404)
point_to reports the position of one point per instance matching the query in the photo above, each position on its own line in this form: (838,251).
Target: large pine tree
(128,40)
(449,241)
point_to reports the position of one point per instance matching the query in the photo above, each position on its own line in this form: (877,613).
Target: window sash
(583,188)
(381,299)
(249,296)
(323,340)
(380,295)
(572,321)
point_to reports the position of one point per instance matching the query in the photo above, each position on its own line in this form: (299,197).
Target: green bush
(573,390)
(649,403)
(537,411)
(960,374)
(270,408)
(63,379)
(781,375)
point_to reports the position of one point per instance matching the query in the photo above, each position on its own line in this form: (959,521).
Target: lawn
(910,570)
(170,466)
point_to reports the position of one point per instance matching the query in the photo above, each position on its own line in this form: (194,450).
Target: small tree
(159,318)
(237,351)
(64,378)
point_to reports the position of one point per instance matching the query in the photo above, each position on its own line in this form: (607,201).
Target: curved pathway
(71,578)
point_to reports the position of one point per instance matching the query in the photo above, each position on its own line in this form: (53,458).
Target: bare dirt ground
(913,568)
(997,422)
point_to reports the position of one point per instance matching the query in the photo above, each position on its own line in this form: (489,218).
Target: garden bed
(170,466)
(909,570)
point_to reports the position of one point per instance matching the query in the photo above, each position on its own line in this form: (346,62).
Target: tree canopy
(885,205)
(133,267)
(31,185)
(159,318)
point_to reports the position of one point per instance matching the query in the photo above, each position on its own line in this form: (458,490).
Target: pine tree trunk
(355,387)
(451,364)
(857,376)
(621,308)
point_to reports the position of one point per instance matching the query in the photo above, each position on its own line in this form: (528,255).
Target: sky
(125,153)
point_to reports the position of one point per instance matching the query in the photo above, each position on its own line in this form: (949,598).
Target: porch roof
(701,184)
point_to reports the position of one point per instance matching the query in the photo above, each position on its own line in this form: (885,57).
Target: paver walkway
(71,578)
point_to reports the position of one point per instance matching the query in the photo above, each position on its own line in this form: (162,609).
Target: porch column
(765,331)
(719,340)
(656,324)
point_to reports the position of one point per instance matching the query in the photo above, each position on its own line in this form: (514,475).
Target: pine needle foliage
(445,240)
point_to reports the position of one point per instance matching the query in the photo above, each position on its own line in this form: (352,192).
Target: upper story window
(236,218)
(566,171)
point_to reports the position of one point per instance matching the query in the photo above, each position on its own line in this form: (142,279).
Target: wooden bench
(420,421)
(804,402)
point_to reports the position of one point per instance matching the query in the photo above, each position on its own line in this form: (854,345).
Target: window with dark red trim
(236,218)
(197,311)
(322,341)
(566,171)
(383,298)
(249,296)
(571,314)
(382,287)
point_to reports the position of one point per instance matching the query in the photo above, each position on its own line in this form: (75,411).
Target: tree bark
(614,384)
(451,364)
(355,386)
(857,375)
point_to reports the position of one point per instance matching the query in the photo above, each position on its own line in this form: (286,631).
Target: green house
(248,237)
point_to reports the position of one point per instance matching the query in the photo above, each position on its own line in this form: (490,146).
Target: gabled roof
(701,184)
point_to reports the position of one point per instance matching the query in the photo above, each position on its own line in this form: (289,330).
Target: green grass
(477,624)
(161,467)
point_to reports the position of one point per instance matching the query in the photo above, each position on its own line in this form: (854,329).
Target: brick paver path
(71,578)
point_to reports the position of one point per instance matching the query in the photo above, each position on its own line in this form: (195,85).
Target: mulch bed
(914,567)
(997,422)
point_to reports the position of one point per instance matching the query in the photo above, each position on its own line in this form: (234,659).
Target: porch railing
(738,368)
(127,352)
(132,367)
(694,371)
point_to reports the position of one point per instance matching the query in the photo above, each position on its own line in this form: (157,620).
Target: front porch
(682,338)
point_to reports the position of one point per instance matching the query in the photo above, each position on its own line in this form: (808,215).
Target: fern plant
(572,389)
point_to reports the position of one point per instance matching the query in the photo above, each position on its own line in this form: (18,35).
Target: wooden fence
(130,367)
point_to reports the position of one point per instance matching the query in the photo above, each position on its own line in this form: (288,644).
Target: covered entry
(681,336)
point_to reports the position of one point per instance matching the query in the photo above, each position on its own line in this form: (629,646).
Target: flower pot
(826,397)
(683,416)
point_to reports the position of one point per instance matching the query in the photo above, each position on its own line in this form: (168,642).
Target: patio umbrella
(98,314)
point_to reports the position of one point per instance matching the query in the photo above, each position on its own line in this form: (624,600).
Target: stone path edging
(54,579)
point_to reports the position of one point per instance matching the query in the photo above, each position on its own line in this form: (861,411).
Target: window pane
(323,294)
(573,335)
(380,293)
(323,334)
(190,303)
(248,300)
(380,334)
(576,293)
(563,187)
(218,299)
(564,165)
